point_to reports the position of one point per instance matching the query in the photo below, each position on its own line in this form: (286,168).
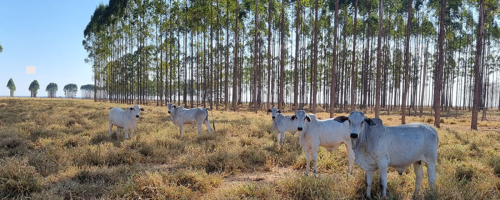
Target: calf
(284,123)
(377,146)
(181,116)
(326,133)
(124,119)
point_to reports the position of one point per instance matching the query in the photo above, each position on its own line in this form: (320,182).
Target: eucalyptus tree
(33,88)
(51,90)
(12,87)
(407,60)
(353,72)
(236,48)
(439,70)
(87,91)
(477,76)
(379,59)
(1,48)
(70,90)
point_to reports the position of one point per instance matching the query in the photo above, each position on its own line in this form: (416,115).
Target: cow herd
(369,143)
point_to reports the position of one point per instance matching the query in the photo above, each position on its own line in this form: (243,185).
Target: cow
(377,147)
(181,116)
(124,119)
(281,124)
(326,133)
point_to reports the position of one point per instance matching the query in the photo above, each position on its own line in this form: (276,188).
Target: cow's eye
(361,122)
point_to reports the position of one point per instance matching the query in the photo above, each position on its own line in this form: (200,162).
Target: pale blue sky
(47,34)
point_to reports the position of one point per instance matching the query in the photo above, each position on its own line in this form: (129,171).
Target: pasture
(61,149)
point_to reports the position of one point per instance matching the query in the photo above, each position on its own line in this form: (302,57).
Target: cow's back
(410,143)
(193,115)
(116,116)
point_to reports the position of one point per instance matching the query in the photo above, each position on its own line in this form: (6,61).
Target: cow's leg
(207,123)
(307,151)
(282,137)
(369,178)
(199,127)
(110,129)
(126,131)
(181,126)
(352,157)
(315,149)
(419,176)
(117,132)
(382,169)
(131,133)
(431,173)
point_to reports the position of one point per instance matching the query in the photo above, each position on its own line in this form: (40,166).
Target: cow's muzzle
(354,135)
(168,111)
(137,116)
(299,129)
(274,117)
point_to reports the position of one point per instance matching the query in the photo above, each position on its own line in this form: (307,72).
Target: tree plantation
(329,55)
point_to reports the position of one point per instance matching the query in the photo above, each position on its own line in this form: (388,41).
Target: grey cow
(377,147)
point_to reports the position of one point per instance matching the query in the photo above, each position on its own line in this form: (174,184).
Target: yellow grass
(61,149)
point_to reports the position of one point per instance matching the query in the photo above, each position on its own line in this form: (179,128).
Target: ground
(61,149)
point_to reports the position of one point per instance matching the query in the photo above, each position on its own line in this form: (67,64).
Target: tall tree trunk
(379,58)
(477,76)
(282,57)
(226,70)
(334,66)
(353,72)
(255,57)
(295,70)
(439,73)
(407,63)
(424,77)
(315,60)
(235,70)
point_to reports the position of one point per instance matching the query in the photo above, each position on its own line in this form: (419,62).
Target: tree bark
(477,76)
(379,58)
(439,72)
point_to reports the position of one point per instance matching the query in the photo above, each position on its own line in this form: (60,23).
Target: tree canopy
(34,86)
(12,87)
(70,90)
(51,90)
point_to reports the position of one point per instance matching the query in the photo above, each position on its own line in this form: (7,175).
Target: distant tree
(1,48)
(87,91)
(51,90)
(34,86)
(70,90)
(11,86)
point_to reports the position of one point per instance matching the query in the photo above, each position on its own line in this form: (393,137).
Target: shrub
(17,178)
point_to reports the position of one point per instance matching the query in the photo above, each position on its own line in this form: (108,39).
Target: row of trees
(70,90)
(335,55)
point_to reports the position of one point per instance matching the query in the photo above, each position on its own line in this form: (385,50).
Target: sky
(46,34)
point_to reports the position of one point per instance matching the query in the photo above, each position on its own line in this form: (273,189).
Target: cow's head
(274,112)
(171,107)
(357,122)
(136,110)
(301,116)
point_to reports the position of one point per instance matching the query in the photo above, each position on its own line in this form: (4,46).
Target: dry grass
(61,149)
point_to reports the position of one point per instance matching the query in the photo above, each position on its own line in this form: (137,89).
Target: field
(61,149)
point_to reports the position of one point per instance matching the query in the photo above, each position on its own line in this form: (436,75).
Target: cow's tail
(213,119)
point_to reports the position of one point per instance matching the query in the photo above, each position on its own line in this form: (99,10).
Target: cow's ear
(341,119)
(269,110)
(308,118)
(370,122)
(174,106)
(131,108)
(293,117)
(279,111)
(142,109)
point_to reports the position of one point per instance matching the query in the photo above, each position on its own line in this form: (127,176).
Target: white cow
(281,124)
(377,146)
(181,116)
(124,119)
(326,133)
